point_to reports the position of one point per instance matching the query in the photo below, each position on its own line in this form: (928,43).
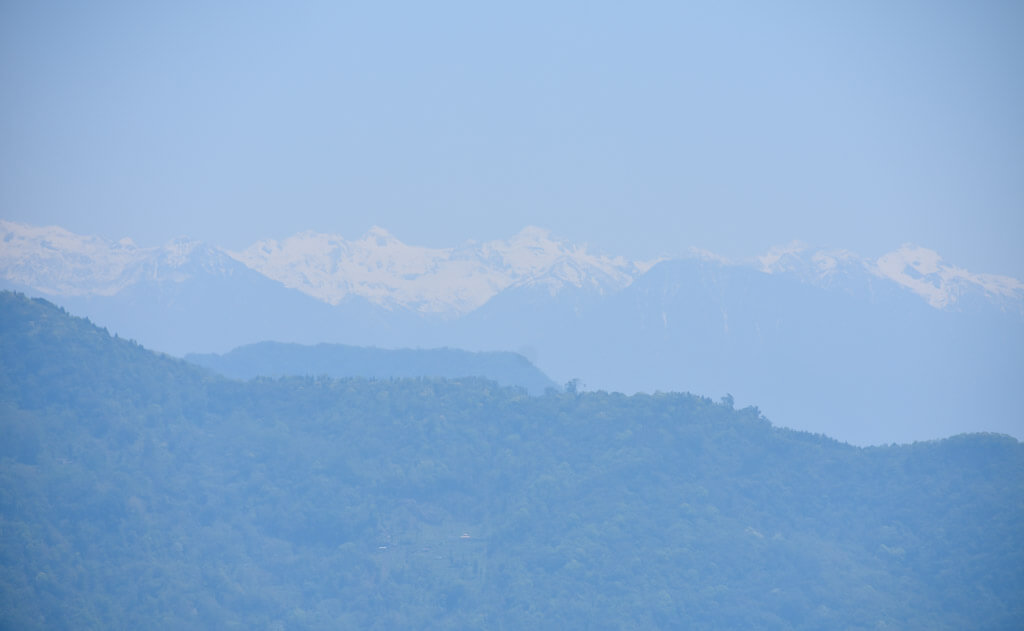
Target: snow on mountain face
(441,281)
(915,268)
(55,261)
(922,271)
(820,267)
(377,266)
(390,273)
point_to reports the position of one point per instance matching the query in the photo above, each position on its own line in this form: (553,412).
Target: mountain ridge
(792,332)
(446,282)
(275,359)
(141,491)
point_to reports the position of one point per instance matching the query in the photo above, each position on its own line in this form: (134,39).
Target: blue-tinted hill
(274,359)
(862,360)
(140,491)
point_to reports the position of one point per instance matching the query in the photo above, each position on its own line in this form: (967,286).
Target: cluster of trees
(137,490)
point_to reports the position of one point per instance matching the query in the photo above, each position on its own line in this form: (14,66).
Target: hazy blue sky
(641,128)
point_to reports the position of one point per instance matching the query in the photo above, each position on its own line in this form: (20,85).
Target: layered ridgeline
(901,347)
(275,359)
(139,491)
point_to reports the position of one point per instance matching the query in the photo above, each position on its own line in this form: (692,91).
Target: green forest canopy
(139,491)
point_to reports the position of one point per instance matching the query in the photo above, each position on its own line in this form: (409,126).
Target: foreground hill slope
(277,359)
(138,491)
(871,351)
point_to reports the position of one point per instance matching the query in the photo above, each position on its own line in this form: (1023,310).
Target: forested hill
(276,359)
(138,491)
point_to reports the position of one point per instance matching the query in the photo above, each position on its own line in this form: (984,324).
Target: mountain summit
(56,262)
(376,267)
(922,271)
(447,281)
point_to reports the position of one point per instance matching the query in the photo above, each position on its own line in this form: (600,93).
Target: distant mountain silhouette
(274,359)
(899,348)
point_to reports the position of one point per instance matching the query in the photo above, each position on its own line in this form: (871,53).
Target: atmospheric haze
(641,130)
(458,315)
(904,347)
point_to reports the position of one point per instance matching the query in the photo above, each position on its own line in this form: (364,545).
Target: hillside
(138,491)
(274,359)
(913,346)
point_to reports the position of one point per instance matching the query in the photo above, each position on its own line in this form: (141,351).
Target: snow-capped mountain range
(918,269)
(439,281)
(450,281)
(901,347)
(57,262)
(377,266)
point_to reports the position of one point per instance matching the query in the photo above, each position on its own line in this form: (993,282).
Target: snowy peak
(783,258)
(449,281)
(376,266)
(378,237)
(182,259)
(533,257)
(922,271)
(55,261)
(821,267)
(912,267)
(178,251)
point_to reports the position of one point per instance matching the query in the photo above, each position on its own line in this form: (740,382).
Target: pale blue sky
(641,128)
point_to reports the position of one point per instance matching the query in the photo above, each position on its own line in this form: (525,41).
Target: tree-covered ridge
(139,492)
(277,359)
